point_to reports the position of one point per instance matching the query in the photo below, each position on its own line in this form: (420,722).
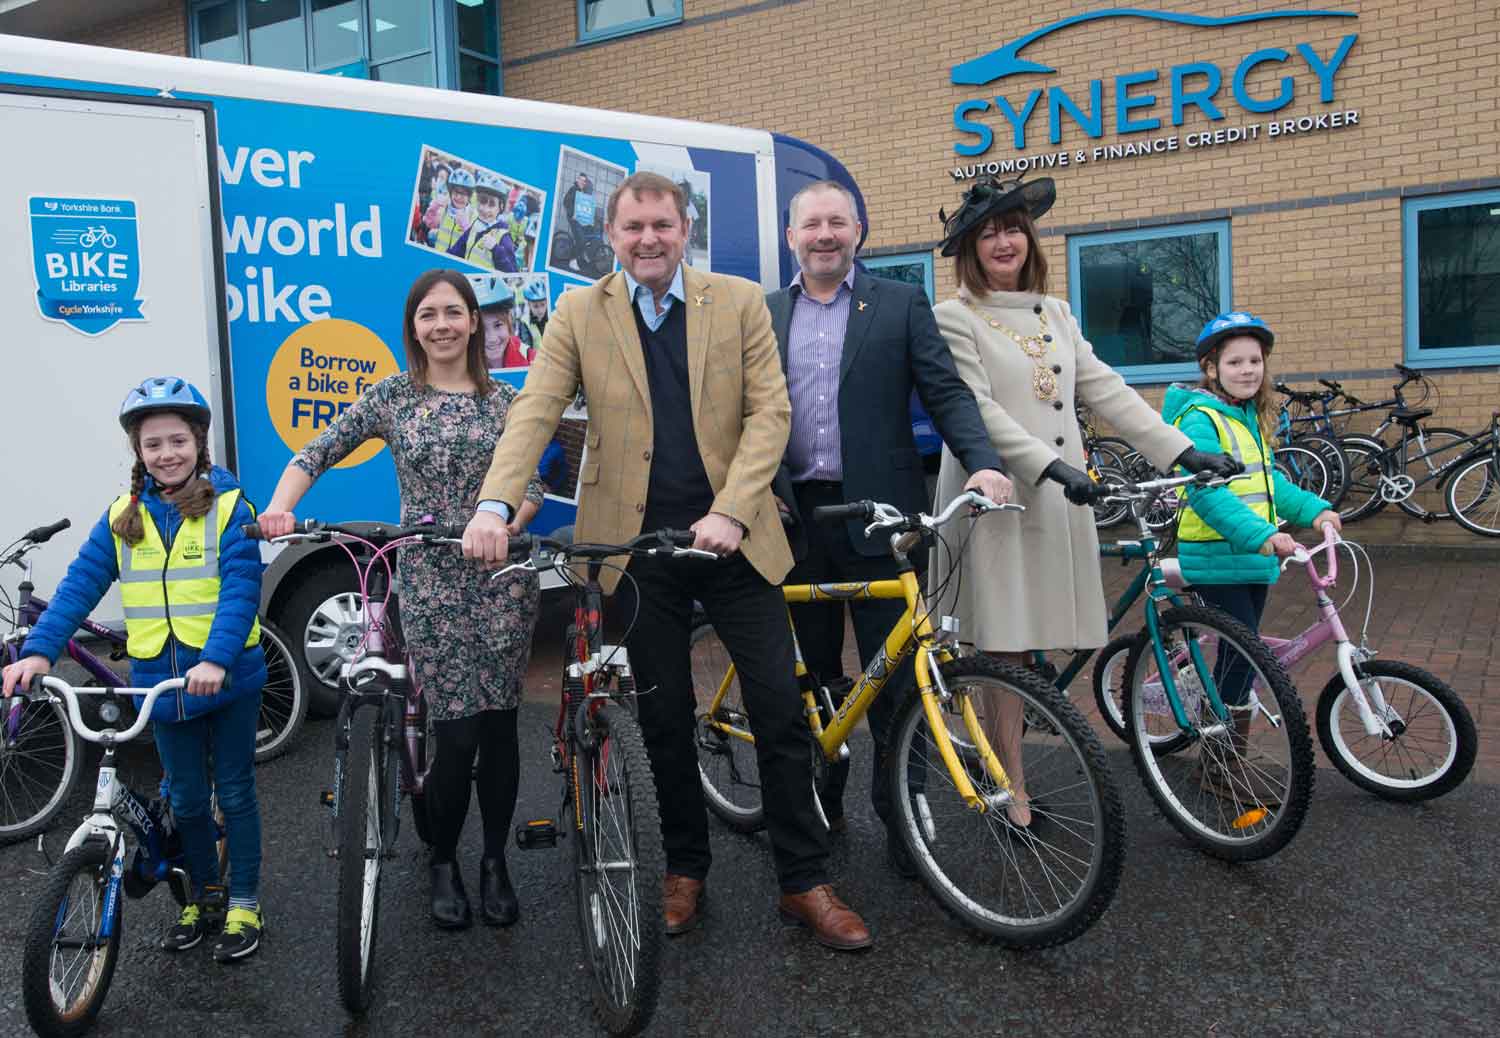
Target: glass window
(1142,297)
(219,33)
(601,19)
(413,71)
(400,27)
(478,76)
(915,268)
(479,26)
(1451,278)
(278,38)
(336,32)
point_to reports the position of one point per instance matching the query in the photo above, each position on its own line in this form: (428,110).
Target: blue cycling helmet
(535,292)
(164,393)
(1236,322)
(519,211)
(461,178)
(490,184)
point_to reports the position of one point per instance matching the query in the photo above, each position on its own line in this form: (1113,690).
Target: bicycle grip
(43,534)
(853,510)
(520,545)
(679,538)
(252,532)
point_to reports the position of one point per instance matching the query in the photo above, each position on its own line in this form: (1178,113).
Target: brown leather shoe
(682,900)
(833,923)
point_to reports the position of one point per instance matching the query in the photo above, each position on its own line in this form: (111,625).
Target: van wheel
(324,618)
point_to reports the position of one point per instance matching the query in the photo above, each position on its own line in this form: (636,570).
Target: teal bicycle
(1234,778)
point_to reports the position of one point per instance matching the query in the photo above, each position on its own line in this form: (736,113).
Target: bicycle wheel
(283,698)
(1416,460)
(1021,887)
(67,965)
(1432,743)
(1367,464)
(619,866)
(39,765)
(1109,677)
(1332,456)
(1238,790)
(1305,468)
(361,847)
(1473,495)
(1108,513)
(727,766)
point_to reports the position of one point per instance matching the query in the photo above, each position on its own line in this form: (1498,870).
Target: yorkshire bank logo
(1192,84)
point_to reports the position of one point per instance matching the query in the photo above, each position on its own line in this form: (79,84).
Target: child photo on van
(474,214)
(503,347)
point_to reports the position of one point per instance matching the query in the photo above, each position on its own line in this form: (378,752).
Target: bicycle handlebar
(69,695)
(881,516)
(1308,558)
(43,534)
(649,543)
(378,534)
(1124,491)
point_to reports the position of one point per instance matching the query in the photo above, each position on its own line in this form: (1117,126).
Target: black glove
(1077,486)
(1221,465)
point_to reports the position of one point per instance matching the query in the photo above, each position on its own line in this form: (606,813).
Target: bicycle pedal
(539,832)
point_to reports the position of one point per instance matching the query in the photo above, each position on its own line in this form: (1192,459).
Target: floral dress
(469,636)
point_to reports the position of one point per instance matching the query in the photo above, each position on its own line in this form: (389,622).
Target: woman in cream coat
(1033,579)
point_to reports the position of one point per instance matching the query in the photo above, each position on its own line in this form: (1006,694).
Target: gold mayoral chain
(1043,376)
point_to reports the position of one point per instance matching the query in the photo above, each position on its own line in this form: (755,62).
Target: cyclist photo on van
(581,197)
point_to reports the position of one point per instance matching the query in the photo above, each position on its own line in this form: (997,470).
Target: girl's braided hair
(193,500)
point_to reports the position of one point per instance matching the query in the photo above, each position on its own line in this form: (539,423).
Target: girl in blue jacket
(1228,542)
(190,585)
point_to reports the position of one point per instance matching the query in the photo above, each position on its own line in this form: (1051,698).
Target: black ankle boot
(498,904)
(450,904)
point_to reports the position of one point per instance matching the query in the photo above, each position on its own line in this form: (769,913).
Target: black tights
(492,733)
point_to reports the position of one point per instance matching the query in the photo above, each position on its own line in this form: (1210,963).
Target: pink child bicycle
(1391,728)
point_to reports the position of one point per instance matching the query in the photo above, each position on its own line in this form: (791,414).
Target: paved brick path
(1438,613)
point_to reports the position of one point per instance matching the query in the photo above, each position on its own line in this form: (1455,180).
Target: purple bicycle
(1391,728)
(40,755)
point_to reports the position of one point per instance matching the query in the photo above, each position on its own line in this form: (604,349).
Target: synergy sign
(1132,103)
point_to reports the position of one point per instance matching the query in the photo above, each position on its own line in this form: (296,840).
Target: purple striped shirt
(815,345)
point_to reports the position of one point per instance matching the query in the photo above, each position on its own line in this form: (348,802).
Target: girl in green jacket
(1228,543)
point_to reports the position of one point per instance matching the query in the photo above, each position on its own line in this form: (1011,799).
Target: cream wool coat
(1031,580)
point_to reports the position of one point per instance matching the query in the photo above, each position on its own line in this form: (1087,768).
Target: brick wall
(868,80)
(161,30)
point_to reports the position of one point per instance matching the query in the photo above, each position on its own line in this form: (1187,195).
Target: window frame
(627,28)
(901,259)
(1412,351)
(443,50)
(1153,374)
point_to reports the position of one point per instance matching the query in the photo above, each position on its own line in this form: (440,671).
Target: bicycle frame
(912,634)
(1289,652)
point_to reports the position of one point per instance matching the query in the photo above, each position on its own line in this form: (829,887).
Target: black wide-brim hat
(992,196)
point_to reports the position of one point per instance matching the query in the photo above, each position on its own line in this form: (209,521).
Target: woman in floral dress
(469,635)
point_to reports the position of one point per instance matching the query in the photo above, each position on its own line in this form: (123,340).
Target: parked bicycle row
(1430,472)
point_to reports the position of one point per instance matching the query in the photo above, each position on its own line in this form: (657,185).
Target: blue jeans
(1246,603)
(228,735)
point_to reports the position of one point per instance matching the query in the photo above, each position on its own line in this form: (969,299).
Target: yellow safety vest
(172,592)
(1237,441)
(448,232)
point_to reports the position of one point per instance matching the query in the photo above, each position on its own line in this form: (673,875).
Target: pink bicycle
(1391,728)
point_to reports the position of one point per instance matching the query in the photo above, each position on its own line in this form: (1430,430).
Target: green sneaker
(241,936)
(187,932)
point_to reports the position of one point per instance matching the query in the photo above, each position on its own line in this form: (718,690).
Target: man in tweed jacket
(688,422)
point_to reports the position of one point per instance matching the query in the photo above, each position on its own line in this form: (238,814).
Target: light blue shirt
(645,302)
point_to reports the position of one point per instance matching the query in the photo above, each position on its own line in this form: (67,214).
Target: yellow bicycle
(976,740)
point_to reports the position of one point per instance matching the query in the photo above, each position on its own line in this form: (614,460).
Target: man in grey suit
(854,347)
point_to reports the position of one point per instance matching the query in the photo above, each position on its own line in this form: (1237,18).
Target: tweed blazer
(741,413)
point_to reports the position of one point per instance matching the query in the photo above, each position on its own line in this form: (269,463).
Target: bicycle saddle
(1405,416)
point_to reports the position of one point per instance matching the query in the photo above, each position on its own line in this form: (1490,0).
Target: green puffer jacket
(1236,559)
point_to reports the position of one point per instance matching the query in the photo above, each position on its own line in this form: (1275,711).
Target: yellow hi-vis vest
(172,592)
(1237,441)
